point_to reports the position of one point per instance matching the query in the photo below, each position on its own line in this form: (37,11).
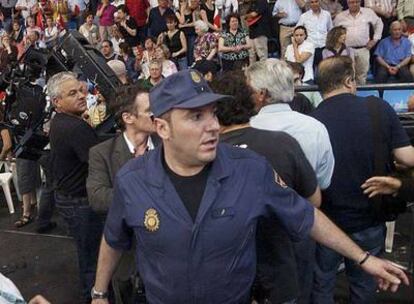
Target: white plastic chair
(5,179)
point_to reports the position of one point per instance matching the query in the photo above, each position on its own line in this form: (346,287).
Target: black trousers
(317,58)
(403,74)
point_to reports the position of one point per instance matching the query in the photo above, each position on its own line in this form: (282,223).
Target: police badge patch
(152,220)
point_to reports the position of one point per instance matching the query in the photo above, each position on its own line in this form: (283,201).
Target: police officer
(192,206)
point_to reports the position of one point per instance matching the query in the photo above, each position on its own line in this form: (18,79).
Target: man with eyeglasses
(70,140)
(133,116)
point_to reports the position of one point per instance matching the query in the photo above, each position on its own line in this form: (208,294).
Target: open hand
(388,275)
(381,185)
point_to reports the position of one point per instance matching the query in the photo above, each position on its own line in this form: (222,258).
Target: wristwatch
(98,294)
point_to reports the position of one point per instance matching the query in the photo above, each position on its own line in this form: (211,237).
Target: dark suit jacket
(105,159)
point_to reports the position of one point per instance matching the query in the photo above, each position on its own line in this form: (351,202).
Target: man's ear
(262,97)
(349,82)
(126,118)
(55,102)
(162,128)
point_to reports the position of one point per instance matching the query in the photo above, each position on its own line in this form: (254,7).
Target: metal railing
(365,87)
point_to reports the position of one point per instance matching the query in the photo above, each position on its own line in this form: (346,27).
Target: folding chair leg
(389,239)
(6,190)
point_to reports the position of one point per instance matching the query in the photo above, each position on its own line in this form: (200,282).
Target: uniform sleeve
(293,212)
(117,234)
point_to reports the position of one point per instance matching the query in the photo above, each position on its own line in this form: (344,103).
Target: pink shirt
(107,17)
(357,28)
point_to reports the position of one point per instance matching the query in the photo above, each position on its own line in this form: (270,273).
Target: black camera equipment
(25,111)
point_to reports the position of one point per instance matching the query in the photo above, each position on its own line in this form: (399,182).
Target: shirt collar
(276,107)
(359,13)
(131,147)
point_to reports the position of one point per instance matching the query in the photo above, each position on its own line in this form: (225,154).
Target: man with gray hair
(70,140)
(273,86)
(272,82)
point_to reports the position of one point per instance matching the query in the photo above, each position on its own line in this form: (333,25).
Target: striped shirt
(386,6)
(358,27)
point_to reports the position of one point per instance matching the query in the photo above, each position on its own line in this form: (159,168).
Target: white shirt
(28,4)
(153,3)
(291,8)
(307,47)
(317,25)
(131,146)
(311,135)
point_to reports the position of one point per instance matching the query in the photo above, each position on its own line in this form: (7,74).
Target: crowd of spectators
(231,34)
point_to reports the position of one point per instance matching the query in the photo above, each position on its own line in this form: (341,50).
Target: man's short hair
(125,103)
(123,8)
(297,68)
(274,76)
(109,42)
(236,110)
(155,62)
(55,82)
(333,72)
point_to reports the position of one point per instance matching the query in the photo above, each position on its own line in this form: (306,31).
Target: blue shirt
(213,259)
(394,52)
(348,122)
(310,133)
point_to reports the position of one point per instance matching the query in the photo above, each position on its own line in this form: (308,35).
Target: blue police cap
(186,89)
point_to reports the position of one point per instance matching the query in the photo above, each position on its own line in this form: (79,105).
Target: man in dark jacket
(105,159)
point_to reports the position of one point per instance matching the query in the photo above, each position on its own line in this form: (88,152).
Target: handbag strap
(378,138)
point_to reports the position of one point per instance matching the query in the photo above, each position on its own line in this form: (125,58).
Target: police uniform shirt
(276,265)
(210,260)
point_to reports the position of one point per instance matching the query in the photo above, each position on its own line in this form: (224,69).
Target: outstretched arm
(327,233)
(107,262)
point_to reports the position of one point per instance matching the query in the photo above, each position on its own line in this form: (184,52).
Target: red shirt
(138,10)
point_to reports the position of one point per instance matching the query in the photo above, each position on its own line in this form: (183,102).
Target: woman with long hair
(335,44)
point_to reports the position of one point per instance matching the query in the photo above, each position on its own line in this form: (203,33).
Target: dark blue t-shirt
(347,120)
